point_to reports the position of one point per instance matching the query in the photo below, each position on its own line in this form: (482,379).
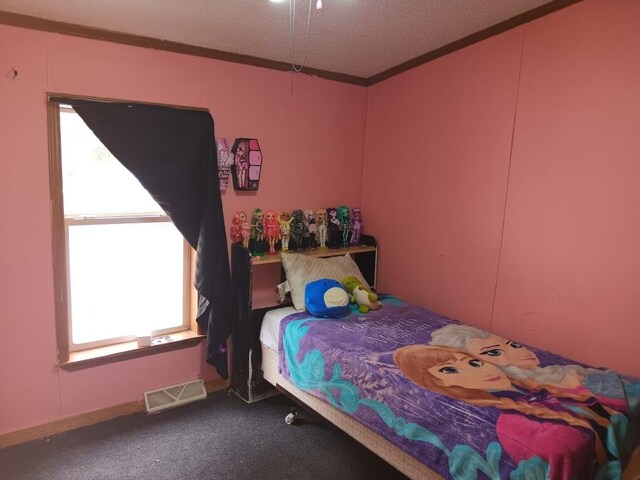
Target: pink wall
(312,135)
(515,168)
(570,270)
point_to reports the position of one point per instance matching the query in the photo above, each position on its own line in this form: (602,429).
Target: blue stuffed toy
(326,298)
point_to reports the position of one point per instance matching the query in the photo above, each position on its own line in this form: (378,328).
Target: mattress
(270,329)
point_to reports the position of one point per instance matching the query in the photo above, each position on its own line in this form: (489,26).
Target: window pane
(124,278)
(94,182)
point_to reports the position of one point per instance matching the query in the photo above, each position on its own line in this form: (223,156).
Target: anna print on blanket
(534,417)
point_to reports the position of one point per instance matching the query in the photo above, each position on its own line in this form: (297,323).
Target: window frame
(97,353)
(119,220)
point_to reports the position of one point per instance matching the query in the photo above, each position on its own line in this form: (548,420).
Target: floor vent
(174,396)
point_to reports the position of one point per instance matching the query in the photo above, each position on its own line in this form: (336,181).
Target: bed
(364,373)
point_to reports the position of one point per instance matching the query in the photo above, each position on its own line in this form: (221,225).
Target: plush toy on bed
(365,298)
(326,298)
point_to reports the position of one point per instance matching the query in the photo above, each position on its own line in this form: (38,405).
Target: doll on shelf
(272,230)
(356,226)
(333,223)
(240,229)
(344,216)
(284,221)
(297,228)
(312,227)
(257,231)
(321,219)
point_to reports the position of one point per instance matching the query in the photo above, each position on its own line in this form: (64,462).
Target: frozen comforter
(466,403)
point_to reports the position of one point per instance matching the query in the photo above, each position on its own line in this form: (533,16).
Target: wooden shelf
(318,252)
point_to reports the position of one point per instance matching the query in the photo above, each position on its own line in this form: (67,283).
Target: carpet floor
(218,438)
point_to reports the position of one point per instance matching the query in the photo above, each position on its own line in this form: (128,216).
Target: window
(121,266)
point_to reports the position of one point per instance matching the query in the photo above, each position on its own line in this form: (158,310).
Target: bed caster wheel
(291,418)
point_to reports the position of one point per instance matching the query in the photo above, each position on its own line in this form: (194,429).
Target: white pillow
(302,269)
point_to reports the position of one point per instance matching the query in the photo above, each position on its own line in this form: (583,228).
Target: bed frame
(254,373)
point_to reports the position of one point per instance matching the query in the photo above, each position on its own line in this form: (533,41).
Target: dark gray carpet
(218,438)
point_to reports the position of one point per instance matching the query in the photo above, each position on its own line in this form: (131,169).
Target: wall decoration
(225,160)
(247,164)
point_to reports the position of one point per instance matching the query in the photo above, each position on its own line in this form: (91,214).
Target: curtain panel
(172,152)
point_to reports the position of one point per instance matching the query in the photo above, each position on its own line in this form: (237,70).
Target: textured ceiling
(355,37)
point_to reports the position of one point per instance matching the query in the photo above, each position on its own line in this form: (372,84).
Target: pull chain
(292,33)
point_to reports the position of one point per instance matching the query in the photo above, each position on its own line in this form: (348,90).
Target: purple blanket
(466,403)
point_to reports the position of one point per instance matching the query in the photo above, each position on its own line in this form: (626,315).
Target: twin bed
(437,399)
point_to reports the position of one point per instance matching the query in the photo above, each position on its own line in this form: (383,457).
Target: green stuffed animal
(365,298)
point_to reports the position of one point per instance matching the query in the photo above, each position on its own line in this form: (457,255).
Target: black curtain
(172,152)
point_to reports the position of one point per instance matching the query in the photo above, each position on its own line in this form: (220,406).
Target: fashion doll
(321,219)
(297,228)
(257,231)
(240,229)
(284,220)
(356,226)
(242,166)
(333,224)
(272,230)
(344,216)
(312,227)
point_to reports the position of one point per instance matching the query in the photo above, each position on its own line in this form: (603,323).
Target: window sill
(124,351)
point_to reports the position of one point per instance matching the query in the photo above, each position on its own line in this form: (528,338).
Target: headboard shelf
(319,253)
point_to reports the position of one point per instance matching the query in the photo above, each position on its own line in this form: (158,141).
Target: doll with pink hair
(272,230)
(240,229)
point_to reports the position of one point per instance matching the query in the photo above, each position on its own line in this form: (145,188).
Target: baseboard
(85,419)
